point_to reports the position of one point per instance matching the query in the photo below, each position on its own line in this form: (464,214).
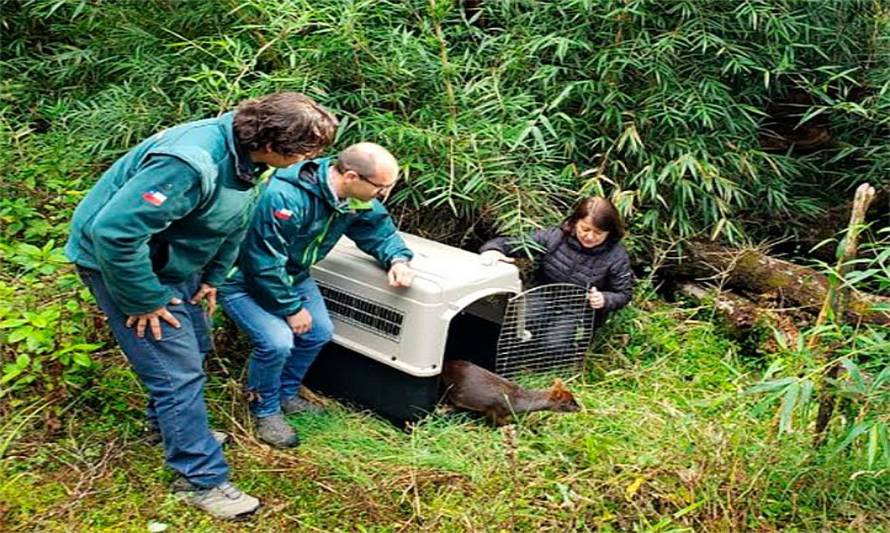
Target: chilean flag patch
(155,198)
(283,214)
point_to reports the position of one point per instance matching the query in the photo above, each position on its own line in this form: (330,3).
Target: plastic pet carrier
(389,344)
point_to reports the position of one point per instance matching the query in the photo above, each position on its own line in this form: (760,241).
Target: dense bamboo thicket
(698,117)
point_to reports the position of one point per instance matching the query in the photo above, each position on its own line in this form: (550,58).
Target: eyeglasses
(380,188)
(383,190)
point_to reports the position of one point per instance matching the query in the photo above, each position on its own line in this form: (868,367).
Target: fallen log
(753,271)
(744,317)
(741,313)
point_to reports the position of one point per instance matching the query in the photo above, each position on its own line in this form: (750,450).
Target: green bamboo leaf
(770,386)
(21,333)
(855,373)
(788,403)
(884,441)
(872,445)
(881,379)
(806,395)
(854,434)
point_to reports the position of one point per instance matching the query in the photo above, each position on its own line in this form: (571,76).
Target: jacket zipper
(316,243)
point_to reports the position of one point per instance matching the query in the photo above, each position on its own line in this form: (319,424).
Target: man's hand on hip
(153,320)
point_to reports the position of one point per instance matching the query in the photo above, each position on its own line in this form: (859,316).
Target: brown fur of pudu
(474,388)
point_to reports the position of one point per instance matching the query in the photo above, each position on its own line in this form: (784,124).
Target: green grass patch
(665,441)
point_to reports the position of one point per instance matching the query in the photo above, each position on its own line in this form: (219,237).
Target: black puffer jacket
(564,260)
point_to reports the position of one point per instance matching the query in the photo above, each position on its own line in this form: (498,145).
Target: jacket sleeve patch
(282,214)
(154,197)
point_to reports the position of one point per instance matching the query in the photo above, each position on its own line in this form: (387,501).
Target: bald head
(369,160)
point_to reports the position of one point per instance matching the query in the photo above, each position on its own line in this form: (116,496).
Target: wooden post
(835,305)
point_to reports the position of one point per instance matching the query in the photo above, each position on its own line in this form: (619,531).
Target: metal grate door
(545,329)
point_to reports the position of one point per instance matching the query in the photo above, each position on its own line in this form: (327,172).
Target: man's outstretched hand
(400,275)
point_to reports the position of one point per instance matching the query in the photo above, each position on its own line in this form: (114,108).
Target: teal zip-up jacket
(176,205)
(296,223)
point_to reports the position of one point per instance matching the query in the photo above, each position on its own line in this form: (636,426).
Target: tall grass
(665,441)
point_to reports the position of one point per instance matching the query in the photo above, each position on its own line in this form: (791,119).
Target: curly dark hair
(289,123)
(600,211)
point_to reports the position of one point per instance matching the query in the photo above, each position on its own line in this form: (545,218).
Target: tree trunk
(753,271)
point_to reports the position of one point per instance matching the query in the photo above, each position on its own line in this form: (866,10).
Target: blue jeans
(172,369)
(280,358)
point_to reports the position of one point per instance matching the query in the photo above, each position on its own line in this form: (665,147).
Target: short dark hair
(600,211)
(289,123)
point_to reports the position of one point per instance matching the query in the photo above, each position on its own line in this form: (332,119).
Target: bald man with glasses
(381,191)
(270,295)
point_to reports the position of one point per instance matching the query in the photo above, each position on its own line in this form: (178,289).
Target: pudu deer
(476,389)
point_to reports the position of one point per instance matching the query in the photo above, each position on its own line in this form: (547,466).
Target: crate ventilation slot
(352,309)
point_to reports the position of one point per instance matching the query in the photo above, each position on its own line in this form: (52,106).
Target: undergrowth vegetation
(667,439)
(732,120)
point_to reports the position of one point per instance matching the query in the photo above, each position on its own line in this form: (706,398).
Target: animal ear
(558,391)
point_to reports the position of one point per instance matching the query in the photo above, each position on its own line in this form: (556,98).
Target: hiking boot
(153,437)
(298,405)
(223,501)
(276,431)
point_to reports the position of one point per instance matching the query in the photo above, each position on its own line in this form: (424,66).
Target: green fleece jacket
(296,223)
(175,206)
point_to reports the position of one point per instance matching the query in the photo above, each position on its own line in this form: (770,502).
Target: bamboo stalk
(446,65)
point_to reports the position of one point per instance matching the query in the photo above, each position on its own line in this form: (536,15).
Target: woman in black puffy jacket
(584,250)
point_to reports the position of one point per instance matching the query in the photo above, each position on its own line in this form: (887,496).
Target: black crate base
(362,382)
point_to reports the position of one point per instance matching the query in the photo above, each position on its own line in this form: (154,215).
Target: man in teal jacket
(157,234)
(300,217)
